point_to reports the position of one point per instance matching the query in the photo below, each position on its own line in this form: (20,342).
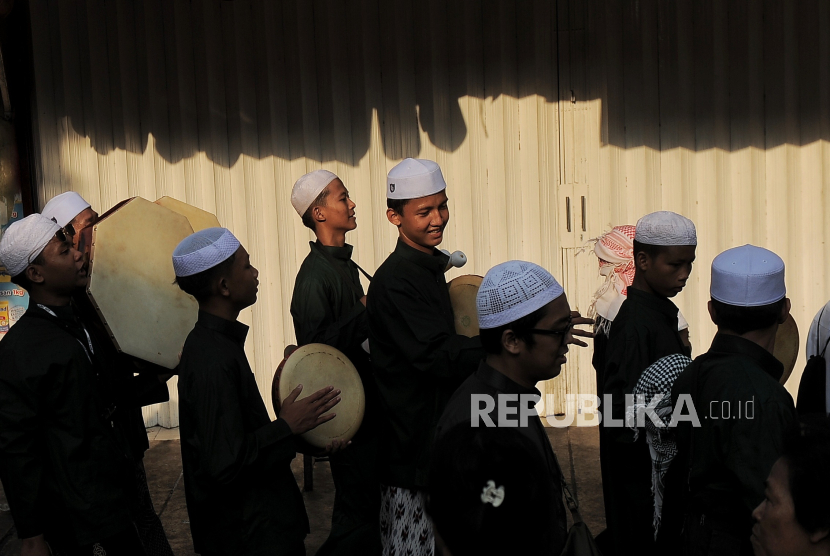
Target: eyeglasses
(61,236)
(561,332)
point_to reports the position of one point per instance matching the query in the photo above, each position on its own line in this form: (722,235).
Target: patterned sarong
(405,528)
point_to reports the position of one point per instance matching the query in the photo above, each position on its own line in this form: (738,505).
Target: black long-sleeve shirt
(489,381)
(418,358)
(744,412)
(242,497)
(66,467)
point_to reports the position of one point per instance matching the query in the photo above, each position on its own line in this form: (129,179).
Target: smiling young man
(242,497)
(644,330)
(66,466)
(526,327)
(329,307)
(418,358)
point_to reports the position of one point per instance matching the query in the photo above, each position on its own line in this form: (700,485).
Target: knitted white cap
(308,188)
(665,228)
(64,207)
(24,240)
(748,276)
(513,290)
(414,178)
(203,250)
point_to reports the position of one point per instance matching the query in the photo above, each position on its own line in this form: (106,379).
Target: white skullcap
(414,178)
(24,240)
(513,290)
(64,207)
(203,250)
(748,276)
(308,188)
(665,228)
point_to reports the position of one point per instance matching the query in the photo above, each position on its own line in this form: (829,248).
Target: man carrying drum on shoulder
(329,307)
(136,383)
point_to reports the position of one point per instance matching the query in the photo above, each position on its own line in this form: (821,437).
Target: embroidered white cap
(24,240)
(308,188)
(413,178)
(203,250)
(513,290)
(748,276)
(665,228)
(64,207)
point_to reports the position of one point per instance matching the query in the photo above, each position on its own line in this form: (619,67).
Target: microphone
(457,259)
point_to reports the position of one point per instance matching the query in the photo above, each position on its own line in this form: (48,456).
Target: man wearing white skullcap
(63,455)
(329,306)
(526,327)
(71,212)
(242,497)
(743,409)
(418,357)
(644,330)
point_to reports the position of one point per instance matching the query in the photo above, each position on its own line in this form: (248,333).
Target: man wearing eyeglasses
(135,384)
(72,213)
(66,468)
(526,327)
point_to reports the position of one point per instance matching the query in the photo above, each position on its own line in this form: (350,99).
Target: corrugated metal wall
(718,110)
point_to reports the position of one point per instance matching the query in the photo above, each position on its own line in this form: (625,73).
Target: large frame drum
(131,281)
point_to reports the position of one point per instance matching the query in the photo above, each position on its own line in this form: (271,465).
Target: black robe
(644,330)
(67,468)
(721,467)
(326,309)
(241,494)
(489,381)
(418,358)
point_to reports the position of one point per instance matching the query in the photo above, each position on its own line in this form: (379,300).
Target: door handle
(568,212)
(584,229)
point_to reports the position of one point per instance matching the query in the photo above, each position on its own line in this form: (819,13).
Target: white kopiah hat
(665,228)
(748,276)
(513,290)
(414,178)
(24,240)
(308,188)
(64,207)
(203,250)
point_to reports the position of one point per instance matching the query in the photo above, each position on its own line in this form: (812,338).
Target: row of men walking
(69,409)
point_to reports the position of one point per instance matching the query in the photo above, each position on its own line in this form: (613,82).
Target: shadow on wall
(303,79)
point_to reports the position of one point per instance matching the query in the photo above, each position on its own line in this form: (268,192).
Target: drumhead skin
(316,366)
(786,346)
(131,281)
(463,292)
(199,219)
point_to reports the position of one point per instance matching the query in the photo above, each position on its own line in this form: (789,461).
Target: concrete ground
(576,448)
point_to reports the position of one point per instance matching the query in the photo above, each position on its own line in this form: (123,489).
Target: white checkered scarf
(657,380)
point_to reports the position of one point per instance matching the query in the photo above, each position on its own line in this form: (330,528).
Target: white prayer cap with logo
(64,207)
(24,240)
(203,250)
(748,276)
(308,188)
(513,290)
(414,178)
(665,228)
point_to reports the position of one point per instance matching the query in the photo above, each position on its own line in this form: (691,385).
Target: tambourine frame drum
(316,366)
(787,344)
(463,290)
(131,281)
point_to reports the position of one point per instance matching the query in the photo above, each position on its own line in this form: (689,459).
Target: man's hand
(35,546)
(307,413)
(577,320)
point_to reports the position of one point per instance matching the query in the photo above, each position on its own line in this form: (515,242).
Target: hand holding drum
(327,372)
